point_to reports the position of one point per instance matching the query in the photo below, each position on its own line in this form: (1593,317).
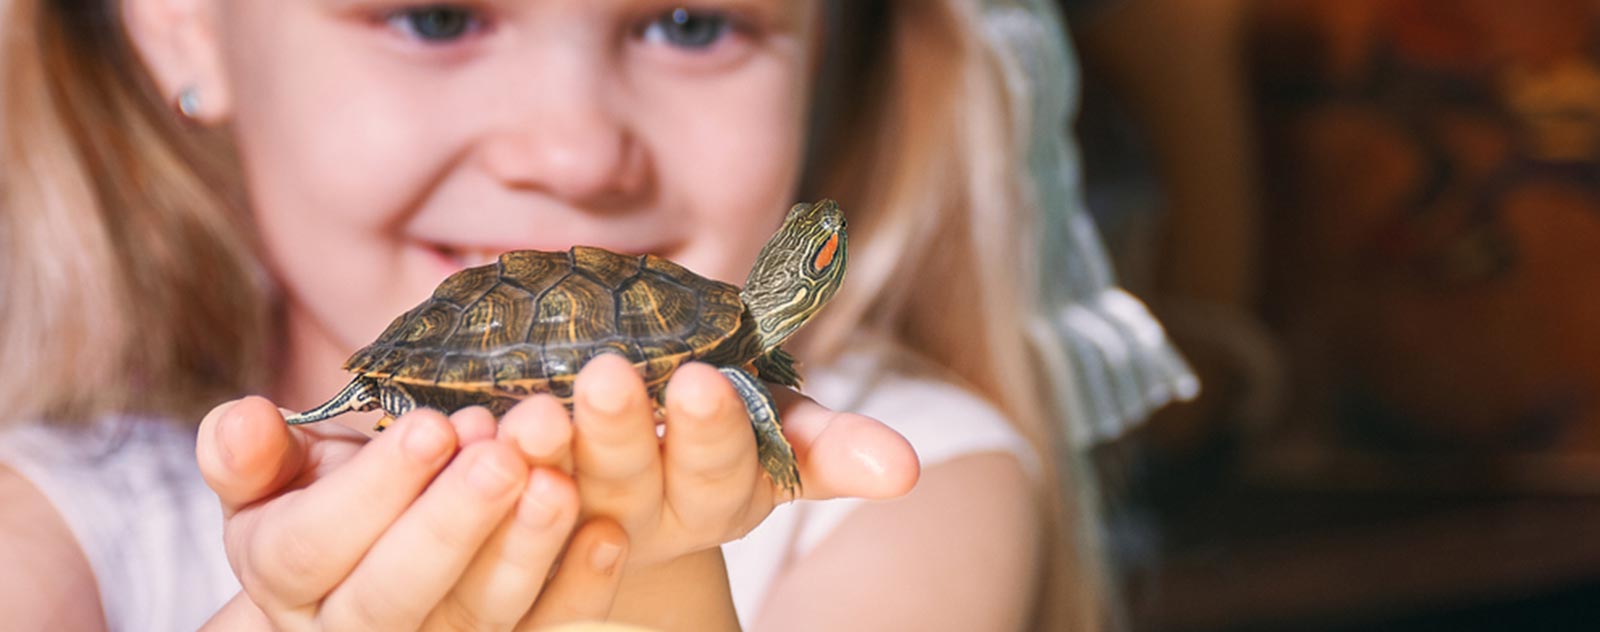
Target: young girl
(206,198)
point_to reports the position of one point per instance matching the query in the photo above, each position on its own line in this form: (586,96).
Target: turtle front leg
(776,457)
(778,367)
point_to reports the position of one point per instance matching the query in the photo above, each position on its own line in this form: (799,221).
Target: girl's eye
(687,29)
(435,24)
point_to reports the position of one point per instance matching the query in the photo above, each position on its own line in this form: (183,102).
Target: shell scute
(419,366)
(532,270)
(672,271)
(375,359)
(514,366)
(607,268)
(574,311)
(649,308)
(466,286)
(428,326)
(464,368)
(561,360)
(498,318)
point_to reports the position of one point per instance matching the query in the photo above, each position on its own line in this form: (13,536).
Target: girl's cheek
(356,159)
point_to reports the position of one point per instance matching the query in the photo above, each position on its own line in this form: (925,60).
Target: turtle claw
(778,460)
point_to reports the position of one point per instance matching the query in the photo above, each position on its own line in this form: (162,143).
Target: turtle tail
(360,395)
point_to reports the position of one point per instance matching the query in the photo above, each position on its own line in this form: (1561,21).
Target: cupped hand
(699,484)
(436,524)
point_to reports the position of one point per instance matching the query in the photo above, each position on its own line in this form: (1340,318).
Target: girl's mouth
(467,256)
(458,257)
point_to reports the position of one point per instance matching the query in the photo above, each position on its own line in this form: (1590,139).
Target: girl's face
(387,144)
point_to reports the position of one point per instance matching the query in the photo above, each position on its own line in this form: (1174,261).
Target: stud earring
(189,102)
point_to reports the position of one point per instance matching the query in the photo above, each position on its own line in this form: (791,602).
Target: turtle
(494,334)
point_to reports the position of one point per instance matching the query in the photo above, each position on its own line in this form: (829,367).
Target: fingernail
(702,403)
(607,399)
(425,441)
(543,431)
(535,511)
(604,557)
(489,476)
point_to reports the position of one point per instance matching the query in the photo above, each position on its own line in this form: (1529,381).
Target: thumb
(246,452)
(847,455)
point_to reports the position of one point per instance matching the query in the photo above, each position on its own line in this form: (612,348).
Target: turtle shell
(526,323)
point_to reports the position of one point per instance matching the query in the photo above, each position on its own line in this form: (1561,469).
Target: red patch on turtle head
(825,253)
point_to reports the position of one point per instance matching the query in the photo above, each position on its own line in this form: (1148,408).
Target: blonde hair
(127,274)
(131,280)
(932,156)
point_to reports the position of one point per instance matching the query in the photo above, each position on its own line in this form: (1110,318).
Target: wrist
(690,592)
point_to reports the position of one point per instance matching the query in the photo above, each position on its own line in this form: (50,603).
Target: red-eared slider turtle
(526,324)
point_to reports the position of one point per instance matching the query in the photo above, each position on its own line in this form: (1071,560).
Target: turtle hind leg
(395,401)
(362,394)
(774,452)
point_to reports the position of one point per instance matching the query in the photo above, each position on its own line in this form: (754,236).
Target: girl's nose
(567,146)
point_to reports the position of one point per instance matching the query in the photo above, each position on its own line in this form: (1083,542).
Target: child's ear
(178,41)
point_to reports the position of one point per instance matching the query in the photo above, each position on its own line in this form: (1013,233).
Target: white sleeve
(132,496)
(942,423)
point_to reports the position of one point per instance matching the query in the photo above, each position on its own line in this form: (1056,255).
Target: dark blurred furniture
(1377,234)
(1251,558)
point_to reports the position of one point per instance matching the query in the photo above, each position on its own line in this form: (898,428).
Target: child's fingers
(473,424)
(246,452)
(615,449)
(845,454)
(422,555)
(585,585)
(509,571)
(298,549)
(710,461)
(541,428)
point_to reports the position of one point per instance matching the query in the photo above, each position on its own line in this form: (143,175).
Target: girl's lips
(468,257)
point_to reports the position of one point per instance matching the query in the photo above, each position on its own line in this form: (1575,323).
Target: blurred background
(1373,226)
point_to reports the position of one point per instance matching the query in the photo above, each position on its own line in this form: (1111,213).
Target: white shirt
(941,421)
(132,495)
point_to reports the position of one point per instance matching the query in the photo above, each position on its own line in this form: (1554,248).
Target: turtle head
(798,270)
